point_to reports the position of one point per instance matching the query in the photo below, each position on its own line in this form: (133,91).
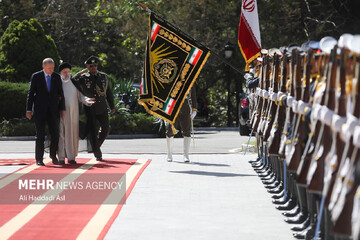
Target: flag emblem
(194,56)
(169,105)
(154,31)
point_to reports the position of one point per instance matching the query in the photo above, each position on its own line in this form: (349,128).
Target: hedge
(120,123)
(13,100)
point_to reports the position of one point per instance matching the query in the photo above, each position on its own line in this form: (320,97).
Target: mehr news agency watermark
(65,189)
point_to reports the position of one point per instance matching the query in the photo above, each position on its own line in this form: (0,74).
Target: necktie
(48,81)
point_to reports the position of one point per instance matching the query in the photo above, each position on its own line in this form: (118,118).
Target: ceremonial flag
(249,31)
(172,63)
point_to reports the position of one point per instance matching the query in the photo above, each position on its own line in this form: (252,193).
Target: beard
(65,79)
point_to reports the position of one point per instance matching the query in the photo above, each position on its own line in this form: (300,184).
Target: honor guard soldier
(95,84)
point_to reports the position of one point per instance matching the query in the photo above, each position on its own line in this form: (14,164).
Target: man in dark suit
(45,100)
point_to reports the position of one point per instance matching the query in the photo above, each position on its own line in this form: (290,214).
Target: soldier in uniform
(95,84)
(186,115)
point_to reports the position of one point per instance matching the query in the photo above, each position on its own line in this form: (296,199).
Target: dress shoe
(262,170)
(286,207)
(72,162)
(55,161)
(299,218)
(302,234)
(61,162)
(311,233)
(40,163)
(273,185)
(301,227)
(99,159)
(280,202)
(278,195)
(292,213)
(277,190)
(257,164)
(255,161)
(270,181)
(267,176)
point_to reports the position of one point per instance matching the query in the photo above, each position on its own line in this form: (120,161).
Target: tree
(23,47)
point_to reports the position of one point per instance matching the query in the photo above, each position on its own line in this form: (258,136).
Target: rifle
(336,152)
(289,114)
(272,98)
(316,178)
(265,97)
(299,133)
(343,224)
(317,97)
(258,109)
(275,134)
(342,203)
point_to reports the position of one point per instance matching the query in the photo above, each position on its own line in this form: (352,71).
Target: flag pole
(148,10)
(192,132)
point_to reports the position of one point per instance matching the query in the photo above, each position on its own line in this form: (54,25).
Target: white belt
(326,115)
(348,128)
(289,100)
(337,122)
(273,96)
(265,94)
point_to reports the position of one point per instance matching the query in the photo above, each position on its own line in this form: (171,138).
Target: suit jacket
(42,100)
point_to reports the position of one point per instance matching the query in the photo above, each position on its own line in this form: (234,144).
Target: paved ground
(217,196)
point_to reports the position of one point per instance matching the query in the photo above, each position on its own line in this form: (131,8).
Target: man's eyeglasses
(93,65)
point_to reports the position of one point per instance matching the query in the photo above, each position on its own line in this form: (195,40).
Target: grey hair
(48,60)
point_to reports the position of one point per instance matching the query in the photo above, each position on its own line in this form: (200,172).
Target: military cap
(283,49)
(314,45)
(354,45)
(264,52)
(64,65)
(293,46)
(327,44)
(305,46)
(92,60)
(345,40)
(273,51)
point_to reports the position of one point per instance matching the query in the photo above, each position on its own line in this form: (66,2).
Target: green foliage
(126,96)
(23,47)
(116,32)
(17,127)
(138,123)
(13,99)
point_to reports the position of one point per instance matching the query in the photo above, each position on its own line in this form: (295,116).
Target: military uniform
(96,86)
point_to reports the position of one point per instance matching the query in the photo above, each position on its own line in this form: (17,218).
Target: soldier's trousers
(96,137)
(183,119)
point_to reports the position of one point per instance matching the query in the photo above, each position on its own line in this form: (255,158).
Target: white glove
(89,101)
(247,76)
(193,114)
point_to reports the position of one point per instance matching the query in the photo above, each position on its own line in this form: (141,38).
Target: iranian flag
(249,31)
(169,106)
(194,56)
(154,30)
